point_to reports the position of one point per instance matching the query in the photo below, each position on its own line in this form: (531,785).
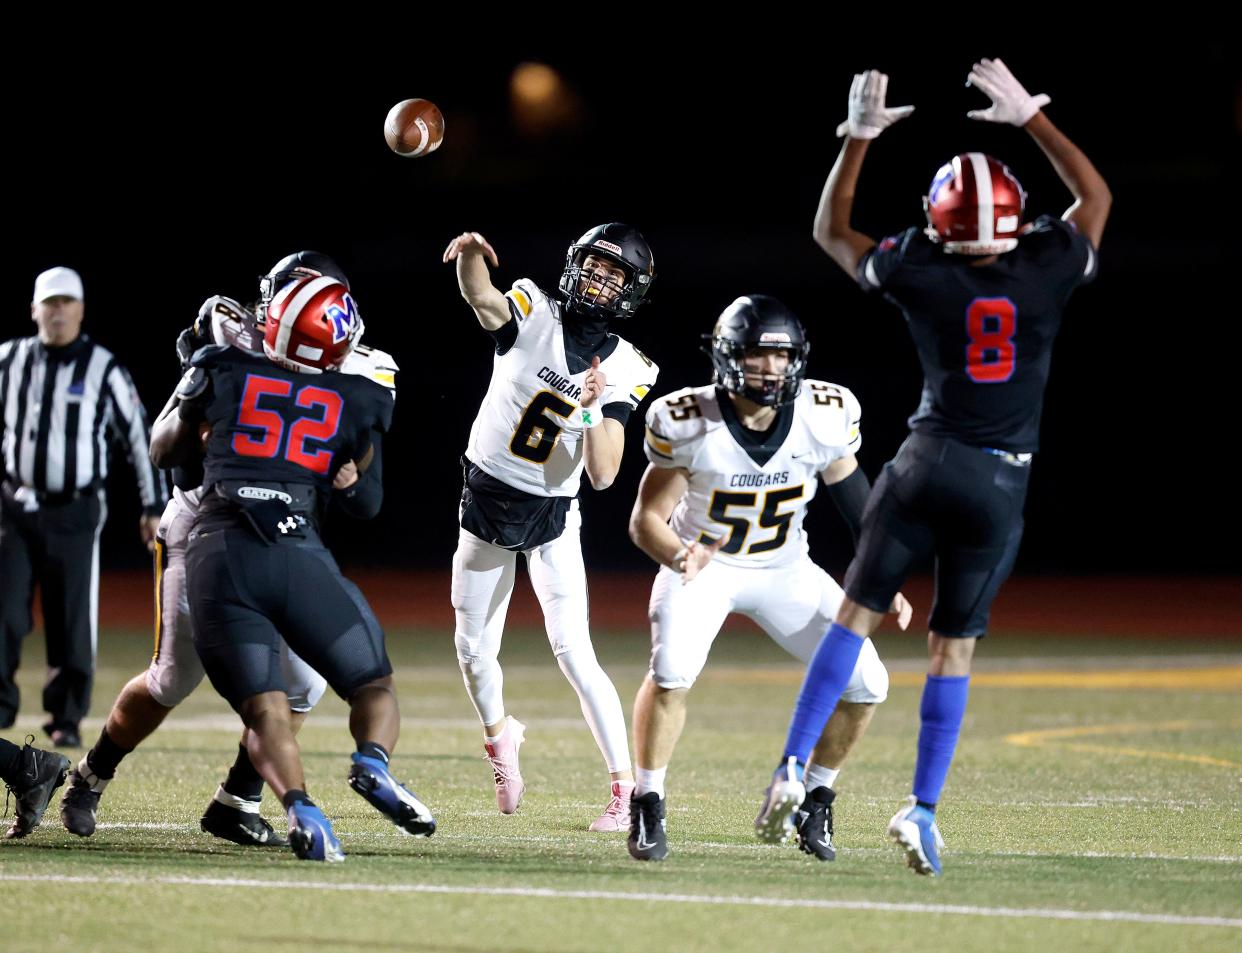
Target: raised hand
(868,115)
(1011,103)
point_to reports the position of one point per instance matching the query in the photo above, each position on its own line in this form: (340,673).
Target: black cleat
(647,840)
(78,806)
(39,774)
(247,828)
(814,822)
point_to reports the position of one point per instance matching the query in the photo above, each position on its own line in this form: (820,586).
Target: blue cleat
(310,834)
(370,778)
(777,822)
(915,831)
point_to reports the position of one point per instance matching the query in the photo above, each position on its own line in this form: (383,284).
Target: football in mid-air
(414,127)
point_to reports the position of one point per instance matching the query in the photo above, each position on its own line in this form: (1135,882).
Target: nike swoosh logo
(258,838)
(643,843)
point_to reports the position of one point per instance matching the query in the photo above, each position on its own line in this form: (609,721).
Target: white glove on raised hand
(1011,103)
(868,115)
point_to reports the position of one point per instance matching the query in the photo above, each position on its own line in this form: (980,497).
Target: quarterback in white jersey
(733,466)
(175,669)
(561,391)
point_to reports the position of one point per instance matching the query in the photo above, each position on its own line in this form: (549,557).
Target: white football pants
(482,585)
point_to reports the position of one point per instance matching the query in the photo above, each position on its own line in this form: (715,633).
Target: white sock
(649,779)
(232,800)
(93,781)
(817,776)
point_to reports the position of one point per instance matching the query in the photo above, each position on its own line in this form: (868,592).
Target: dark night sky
(171,176)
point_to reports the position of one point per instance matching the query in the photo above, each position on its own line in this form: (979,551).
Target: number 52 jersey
(528,432)
(749,489)
(272,424)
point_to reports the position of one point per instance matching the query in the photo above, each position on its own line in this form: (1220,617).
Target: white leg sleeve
(482,585)
(306,686)
(559,578)
(601,706)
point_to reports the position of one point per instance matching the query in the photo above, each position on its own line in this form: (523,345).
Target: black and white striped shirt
(58,407)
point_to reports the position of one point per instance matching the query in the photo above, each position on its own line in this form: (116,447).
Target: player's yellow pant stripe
(159,597)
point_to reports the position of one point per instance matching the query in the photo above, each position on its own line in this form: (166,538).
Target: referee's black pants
(56,546)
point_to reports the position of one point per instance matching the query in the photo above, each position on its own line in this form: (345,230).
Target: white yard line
(397,837)
(1036,913)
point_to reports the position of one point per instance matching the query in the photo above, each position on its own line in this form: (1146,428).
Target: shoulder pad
(206,356)
(372,363)
(677,421)
(1049,238)
(637,373)
(192,384)
(875,267)
(833,414)
(232,323)
(527,297)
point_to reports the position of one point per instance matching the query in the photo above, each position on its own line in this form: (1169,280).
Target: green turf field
(1095,804)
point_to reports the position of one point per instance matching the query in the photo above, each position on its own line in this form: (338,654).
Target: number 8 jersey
(528,432)
(750,489)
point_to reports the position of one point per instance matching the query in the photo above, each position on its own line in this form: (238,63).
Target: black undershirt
(760,445)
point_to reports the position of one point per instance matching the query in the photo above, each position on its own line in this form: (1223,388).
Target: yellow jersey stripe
(519,298)
(658,444)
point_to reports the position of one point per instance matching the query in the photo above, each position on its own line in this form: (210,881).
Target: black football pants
(56,546)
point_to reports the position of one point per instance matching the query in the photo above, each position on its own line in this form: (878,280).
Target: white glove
(1010,102)
(868,115)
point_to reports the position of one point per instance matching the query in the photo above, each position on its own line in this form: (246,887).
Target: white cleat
(776,823)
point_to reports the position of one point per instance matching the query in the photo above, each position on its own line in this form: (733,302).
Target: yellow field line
(1056,738)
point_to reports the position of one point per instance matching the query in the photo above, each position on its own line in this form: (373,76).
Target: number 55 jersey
(529,431)
(747,488)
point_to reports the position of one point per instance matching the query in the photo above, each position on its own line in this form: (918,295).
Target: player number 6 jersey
(528,432)
(757,509)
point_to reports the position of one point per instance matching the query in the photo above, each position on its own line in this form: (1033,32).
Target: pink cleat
(503,757)
(616,816)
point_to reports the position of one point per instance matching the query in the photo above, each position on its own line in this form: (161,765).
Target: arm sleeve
(619,410)
(363,499)
(850,496)
(506,335)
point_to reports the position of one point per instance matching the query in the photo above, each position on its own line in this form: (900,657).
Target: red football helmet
(974,206)
(312,325)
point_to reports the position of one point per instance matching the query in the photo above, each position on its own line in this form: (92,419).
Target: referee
(62,396)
